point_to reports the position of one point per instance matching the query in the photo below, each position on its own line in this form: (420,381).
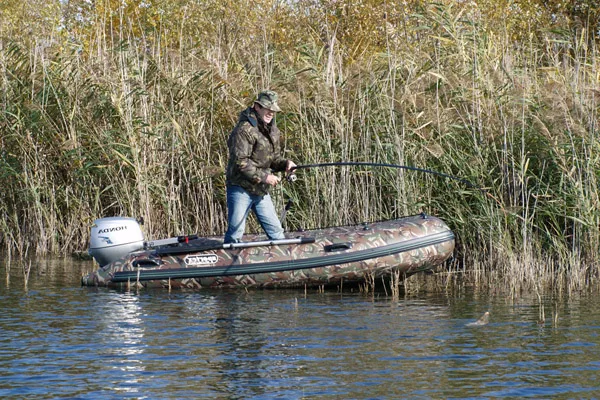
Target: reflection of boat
(313,257)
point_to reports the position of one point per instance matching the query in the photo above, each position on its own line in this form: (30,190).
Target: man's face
(266,114)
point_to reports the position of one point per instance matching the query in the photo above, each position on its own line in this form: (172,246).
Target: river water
(60,340)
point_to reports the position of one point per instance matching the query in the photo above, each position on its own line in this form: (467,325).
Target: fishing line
(291,176)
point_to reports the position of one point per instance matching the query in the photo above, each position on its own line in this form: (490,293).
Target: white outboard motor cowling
(113,238)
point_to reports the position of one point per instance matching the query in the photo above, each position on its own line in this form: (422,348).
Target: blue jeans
(239,204)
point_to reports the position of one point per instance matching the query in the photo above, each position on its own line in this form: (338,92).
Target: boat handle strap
(338,246)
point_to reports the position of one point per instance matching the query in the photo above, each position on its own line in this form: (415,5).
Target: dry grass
(125,126)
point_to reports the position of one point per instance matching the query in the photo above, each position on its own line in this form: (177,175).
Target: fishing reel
(291,177)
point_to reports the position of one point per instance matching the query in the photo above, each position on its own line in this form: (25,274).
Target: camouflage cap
(268,100)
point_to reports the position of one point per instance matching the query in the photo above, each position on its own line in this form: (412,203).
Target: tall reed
(127,123)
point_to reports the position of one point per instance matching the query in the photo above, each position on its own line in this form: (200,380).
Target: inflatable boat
(328,256)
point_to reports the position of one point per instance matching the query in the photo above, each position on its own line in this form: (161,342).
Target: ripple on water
(60,340)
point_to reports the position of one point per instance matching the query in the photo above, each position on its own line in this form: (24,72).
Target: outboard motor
(113,238)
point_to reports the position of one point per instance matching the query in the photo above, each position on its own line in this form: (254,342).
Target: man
(254,156)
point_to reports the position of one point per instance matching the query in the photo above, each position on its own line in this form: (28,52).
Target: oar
(227,246)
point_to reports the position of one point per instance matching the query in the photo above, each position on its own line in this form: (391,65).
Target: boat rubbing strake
(314,257)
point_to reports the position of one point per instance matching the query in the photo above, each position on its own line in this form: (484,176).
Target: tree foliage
(29,20)
(359,26)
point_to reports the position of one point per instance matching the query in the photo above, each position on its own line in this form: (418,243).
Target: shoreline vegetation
(123,108)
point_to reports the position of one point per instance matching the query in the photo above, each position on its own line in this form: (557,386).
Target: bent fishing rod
(291,177)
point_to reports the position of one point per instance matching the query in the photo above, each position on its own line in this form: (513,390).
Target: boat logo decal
(106,239)
(201,259)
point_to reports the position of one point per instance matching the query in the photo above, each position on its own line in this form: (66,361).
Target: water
(59,340)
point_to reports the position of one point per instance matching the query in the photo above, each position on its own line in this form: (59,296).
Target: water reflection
(60,340)
(121,337)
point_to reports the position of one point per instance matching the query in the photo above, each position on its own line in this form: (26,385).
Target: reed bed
(134,122)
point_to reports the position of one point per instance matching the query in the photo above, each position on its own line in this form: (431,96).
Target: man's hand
(289,166)
(272,180)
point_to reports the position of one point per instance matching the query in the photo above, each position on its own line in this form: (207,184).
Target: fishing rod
(292,176)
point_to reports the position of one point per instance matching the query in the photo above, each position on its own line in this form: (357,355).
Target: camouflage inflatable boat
(309,258)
